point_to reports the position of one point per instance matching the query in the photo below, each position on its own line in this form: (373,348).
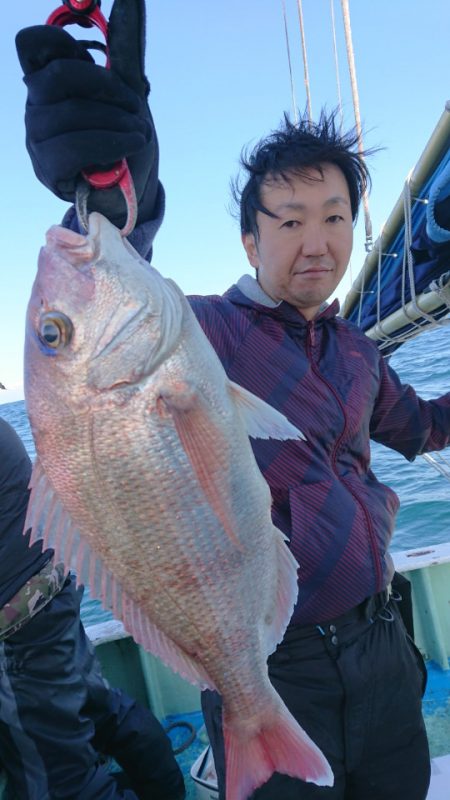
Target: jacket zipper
(310,342)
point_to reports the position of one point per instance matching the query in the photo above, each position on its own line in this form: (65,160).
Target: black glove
(79,114)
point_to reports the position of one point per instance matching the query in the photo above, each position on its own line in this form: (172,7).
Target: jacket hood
(282,311)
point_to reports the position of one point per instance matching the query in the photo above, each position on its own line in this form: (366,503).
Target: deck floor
(440,779)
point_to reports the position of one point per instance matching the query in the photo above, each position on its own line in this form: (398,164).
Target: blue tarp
(431,256)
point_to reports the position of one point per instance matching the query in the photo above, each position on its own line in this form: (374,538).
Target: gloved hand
(80,114)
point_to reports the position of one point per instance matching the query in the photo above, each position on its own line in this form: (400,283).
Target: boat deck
(440,779)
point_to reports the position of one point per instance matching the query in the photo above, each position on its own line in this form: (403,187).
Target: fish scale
(143,455)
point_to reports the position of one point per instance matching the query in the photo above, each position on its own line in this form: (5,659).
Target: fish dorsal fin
(48,519)
(50,522)
(261,420)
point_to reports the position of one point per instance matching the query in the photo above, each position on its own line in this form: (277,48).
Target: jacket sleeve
(18,561)
(404,421)
(15,472)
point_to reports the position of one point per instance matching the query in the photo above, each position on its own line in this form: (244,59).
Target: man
(346,668)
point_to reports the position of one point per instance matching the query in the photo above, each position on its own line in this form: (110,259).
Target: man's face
(302,252)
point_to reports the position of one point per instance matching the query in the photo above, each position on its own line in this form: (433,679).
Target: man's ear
(249,242)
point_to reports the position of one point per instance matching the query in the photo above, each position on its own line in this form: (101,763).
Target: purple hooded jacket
(330,381)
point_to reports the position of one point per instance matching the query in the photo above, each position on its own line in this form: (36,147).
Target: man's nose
(314,240)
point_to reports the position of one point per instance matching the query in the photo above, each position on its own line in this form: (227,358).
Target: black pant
(356,689)
(57,713)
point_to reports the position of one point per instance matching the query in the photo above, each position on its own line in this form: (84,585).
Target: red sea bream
(145,483)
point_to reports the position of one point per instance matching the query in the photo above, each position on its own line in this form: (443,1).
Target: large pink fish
(146,483)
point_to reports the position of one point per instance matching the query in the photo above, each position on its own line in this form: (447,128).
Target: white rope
(361,294)
(355,95)
(439,462)
(385,337)
(415,317)
(305,59)
(293,100)
(336,64)
(408,261)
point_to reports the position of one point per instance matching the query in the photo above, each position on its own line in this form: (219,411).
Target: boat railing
(428,570)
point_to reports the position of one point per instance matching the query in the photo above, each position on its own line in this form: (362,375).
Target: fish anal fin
(104,586)
(261,420)
(156,642)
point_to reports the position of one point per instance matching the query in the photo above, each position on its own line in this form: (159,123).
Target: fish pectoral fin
(202,441)
(261,420)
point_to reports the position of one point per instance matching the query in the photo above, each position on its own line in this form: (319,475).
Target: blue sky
(220,80)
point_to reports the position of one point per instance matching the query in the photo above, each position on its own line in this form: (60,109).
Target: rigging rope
(294,103)
(305,58)
(416,318)
(354,85)
(336,63)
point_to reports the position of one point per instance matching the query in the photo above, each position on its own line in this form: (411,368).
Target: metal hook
(81,199)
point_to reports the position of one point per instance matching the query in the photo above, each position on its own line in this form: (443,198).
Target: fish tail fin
(279,745)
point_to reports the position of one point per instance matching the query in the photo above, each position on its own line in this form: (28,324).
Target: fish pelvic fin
(279,745)
(261,420)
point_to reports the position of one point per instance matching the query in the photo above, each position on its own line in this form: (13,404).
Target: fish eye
(55,330)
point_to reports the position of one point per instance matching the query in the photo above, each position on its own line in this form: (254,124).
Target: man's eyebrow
(332,201)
